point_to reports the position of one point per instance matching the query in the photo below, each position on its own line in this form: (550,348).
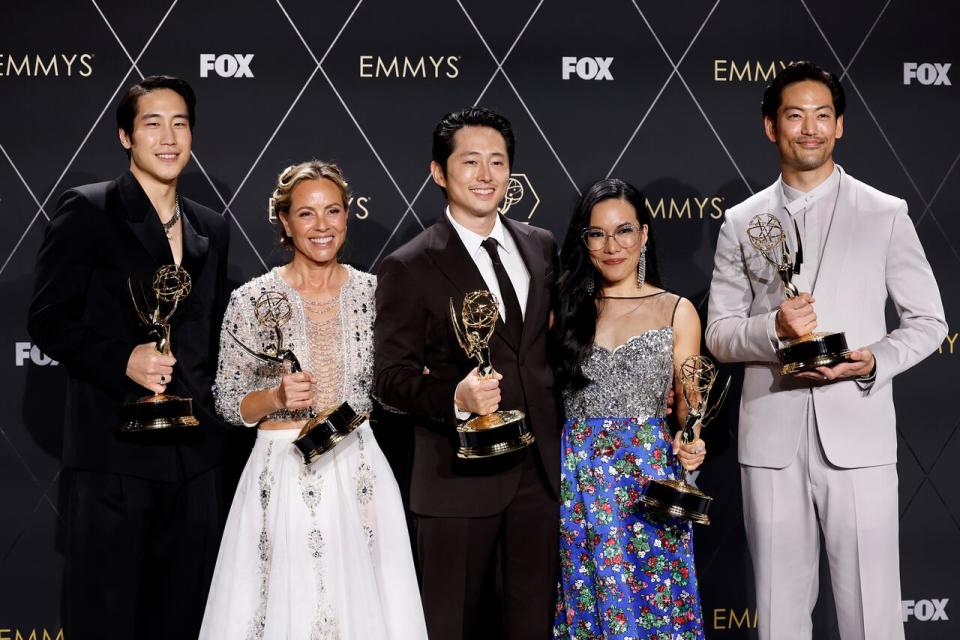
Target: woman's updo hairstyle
(279,202)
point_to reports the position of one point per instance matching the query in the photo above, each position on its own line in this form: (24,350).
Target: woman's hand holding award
(321,432)
(679,498)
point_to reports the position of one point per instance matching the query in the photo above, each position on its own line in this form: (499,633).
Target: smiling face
(316,221)
(159,144)
(614,262)
(806,127)
(476,174)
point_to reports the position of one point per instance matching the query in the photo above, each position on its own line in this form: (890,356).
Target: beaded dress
(321,550)
(626,572)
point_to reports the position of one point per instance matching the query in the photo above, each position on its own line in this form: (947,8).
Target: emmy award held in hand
(171,284)
(820,349)
(321,432)
(502,431)
(679,498)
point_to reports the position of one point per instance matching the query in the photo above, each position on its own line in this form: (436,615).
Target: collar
(796,200)
(472,241)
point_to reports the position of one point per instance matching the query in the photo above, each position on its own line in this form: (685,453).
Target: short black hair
(798,72)
(127,109)
(469,117)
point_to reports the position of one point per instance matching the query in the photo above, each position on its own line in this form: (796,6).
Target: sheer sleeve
(239,373)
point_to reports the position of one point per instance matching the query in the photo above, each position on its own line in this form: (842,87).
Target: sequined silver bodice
(239,373)
(631,381)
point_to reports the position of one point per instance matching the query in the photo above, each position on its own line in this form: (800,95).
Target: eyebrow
(800,108)
(160,115)
(477,153)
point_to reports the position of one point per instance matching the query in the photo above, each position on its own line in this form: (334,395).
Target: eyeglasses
(626,235)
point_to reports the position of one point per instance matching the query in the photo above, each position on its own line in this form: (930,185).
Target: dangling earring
(589,285)
(642,267)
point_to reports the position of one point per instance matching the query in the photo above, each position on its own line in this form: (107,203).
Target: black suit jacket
(413,330)
(82,315)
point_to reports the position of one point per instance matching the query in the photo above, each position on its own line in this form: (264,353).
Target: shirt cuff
(865,382)
(772,330)
(460,415)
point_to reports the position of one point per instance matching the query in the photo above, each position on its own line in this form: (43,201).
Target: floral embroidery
(264,550)
(626,572)
(324,625)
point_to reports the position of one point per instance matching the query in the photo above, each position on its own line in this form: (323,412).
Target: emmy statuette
(679,498)
(502,431)
(819,349)
(321,432)
(160,411)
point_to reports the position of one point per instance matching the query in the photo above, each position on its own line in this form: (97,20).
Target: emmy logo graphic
(521,200)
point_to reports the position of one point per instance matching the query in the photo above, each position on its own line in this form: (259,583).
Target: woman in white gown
(320,550)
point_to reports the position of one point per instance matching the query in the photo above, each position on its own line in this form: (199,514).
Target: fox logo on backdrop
(932,610)
(927,73)
(26,351)
(226,65)
(589,68)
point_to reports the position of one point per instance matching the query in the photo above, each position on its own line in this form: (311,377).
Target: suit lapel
(451,257)
(195,246)
(143,220)
(841,232)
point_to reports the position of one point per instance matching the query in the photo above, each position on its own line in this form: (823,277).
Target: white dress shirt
(509,256)
(512,264)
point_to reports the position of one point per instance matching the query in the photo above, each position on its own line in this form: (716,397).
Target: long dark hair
(576,317)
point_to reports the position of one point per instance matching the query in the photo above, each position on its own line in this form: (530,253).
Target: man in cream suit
(819,449)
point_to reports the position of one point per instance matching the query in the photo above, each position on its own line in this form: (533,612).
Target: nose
(483,173)
(167,136)
(610,245)
(809,126)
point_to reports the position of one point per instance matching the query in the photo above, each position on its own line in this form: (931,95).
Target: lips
(483,192)
(324,241)
(613,261)
(167,157)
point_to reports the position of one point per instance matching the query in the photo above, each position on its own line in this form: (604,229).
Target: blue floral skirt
(626,572)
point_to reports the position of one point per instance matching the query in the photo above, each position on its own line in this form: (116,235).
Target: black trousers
(493,577)
(139,555)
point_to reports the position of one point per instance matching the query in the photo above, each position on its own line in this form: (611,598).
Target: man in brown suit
(478,523)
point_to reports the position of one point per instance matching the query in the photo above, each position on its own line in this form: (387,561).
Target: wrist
(276,402)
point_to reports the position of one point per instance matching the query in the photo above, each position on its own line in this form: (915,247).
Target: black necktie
(511,303)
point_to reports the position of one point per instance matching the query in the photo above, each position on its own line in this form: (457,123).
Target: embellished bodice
(630,381)
(337,348)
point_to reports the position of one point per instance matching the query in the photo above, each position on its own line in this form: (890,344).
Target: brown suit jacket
(413,330)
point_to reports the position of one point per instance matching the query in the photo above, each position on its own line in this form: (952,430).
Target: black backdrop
(672,106)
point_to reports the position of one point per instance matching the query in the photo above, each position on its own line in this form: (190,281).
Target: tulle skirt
(315,551)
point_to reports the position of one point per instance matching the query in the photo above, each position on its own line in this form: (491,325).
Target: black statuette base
(157,412)
(678,499)
(493,435)
(815,350)
(321,434)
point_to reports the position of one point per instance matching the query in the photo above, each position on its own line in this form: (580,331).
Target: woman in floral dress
(626,572)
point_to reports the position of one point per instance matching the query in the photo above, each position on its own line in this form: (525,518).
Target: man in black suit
(478,522)
(144,512)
